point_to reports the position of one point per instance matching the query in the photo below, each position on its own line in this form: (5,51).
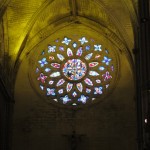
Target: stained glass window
(75,72)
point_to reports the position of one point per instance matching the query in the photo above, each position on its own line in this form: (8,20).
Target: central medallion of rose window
(74,69)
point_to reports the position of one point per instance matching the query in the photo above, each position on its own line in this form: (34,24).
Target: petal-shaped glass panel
(93,73)
(55,74)
(60,82)
(55,65)
(79,52)
(93,64)
(69,52)
(97,56)
(79,87)
(88,57)
(88,82)
(61,57)
(69,87)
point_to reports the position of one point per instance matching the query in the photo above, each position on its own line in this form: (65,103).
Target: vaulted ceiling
(22,20)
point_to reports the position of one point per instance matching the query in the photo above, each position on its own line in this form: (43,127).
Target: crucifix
(74,140)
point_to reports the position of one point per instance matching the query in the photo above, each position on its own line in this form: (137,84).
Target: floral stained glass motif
(66,41)
(83,40)
(83,99)
(98,90)
(97,48)
(51,91)
(77,70)
(51,49)
(43,62)
(107,76)
(42,78)
(65,99)
(106,60)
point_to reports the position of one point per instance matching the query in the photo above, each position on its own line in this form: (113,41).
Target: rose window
(75,71)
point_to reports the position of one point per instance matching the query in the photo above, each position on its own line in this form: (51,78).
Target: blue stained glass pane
(101,68)
(43,62)
(61,48)
(74,45)
(106,60)
(47,69)
(87,48)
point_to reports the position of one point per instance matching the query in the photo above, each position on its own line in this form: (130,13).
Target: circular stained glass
(74,69)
